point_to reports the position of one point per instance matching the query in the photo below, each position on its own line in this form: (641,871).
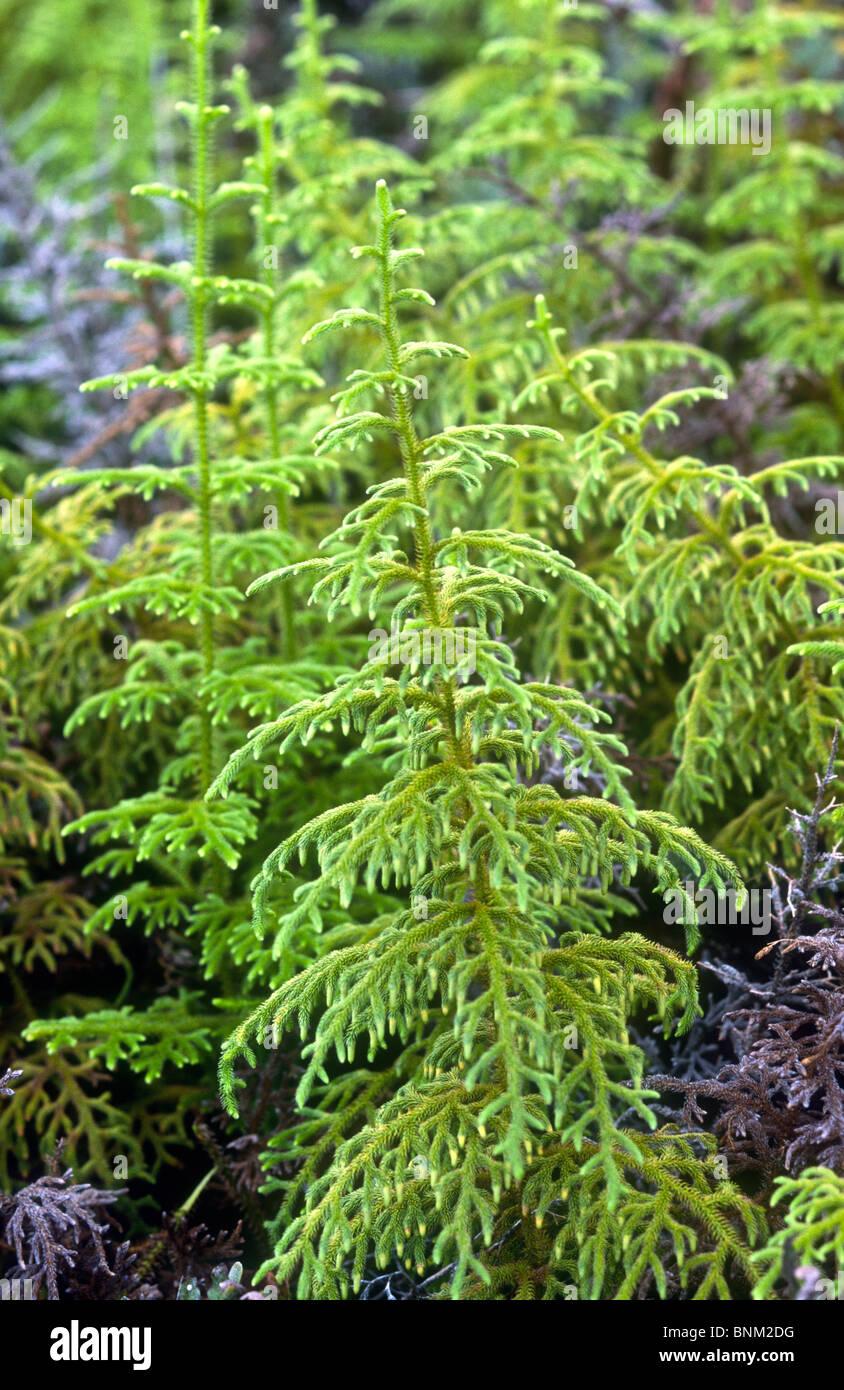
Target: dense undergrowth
(421,655)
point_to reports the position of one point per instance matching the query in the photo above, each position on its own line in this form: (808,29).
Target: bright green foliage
(524,164)
(718,596)
(480,985)
(190,663)
(704,574)
(111,113)
(672,1201)
(783,212)
(191,587)
(419,858)
(251,493)
(150,1041)
(812,1234)
(321,177)
(714,623)
(533,99)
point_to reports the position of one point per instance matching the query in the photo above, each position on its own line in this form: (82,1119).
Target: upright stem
(411,451)
(408,438)
(202,160)
(269,276)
